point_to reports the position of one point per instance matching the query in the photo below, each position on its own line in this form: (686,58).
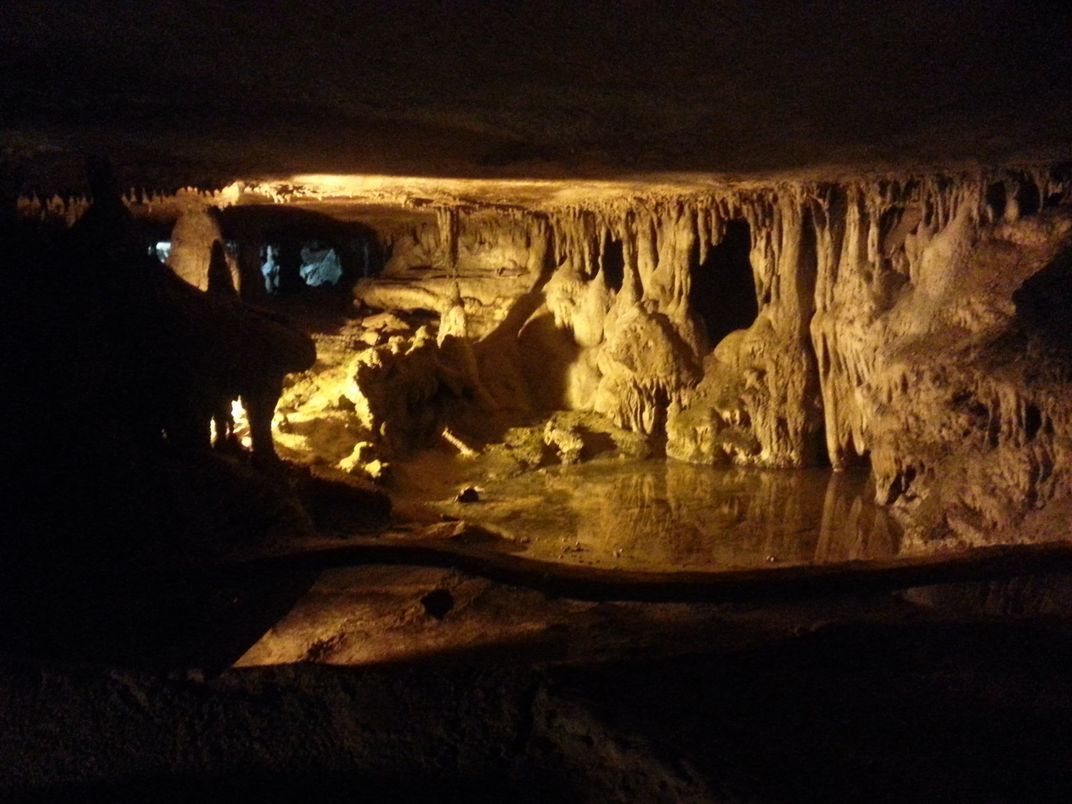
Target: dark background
(200,91)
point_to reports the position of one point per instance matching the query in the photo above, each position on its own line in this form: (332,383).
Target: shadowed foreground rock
(849,712)
(120,366)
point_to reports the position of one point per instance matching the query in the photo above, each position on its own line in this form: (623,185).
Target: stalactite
(868,310)
(447,224)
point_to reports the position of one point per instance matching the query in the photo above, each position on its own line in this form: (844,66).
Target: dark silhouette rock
(468,495)
(219,273)
(121,367)
(438,603)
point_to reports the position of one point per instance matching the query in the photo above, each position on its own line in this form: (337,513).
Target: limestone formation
(193,242)
(885,331)
(903,321)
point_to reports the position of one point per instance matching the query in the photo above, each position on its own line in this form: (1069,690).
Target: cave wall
(905,322)
(927,363)
(886,333)
(555,325)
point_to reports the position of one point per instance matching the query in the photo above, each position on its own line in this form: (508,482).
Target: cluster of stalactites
(890,209)
(873,237)
(142,201)
(582,232)
(468,228)
(64,209)
(880,221)
(660,239)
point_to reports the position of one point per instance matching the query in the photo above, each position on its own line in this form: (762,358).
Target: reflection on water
(663,515)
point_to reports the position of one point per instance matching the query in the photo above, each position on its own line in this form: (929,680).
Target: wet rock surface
(898,325)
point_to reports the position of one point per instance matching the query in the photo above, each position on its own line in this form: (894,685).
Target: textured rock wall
(886,331)
(928,366)
(498,256)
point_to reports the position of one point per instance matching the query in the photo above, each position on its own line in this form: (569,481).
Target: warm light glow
(418,191)
(463,449)
(241,424)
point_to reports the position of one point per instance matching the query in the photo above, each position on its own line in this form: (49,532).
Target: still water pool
(663,515)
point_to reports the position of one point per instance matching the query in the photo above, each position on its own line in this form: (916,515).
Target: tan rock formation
(885,313)
(889,319)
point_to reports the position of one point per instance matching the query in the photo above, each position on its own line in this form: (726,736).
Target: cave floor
(542,554)
(512,693)
(331,665)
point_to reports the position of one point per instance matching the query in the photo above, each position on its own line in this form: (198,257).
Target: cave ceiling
(204,94)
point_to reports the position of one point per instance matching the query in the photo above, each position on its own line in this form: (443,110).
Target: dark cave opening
(1028,198)
(614,265)
(285,251)
(1042,303)
(723,292)
(995,198)
(1032,421)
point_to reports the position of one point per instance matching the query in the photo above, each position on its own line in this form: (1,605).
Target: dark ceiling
(203,91)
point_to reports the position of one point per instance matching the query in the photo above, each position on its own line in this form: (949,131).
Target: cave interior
(639,423)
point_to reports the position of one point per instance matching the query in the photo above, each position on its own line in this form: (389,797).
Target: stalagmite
(893,320)
(876,298)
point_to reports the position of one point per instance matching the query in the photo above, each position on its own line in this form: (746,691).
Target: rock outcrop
(903,321)
(886,328)
(121,366)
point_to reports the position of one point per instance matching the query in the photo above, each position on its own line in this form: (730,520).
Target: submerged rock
(468,495)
